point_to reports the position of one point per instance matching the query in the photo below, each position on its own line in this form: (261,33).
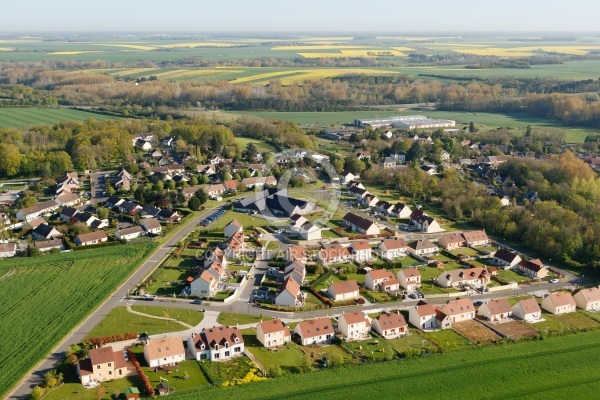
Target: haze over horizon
(310,16)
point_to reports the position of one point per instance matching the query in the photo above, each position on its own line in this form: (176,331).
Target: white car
(554,280)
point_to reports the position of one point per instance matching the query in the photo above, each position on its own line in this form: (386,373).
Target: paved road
(115,300)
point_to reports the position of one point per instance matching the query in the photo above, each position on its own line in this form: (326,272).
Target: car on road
(554,280)
(478,303)
(198,301)
(413,296)
(149,297)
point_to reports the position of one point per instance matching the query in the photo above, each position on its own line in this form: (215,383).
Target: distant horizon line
(340,32)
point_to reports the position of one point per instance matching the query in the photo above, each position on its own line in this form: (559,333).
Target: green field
(231,319)
(24,117)
(48,296)
(190,317)
(555,368)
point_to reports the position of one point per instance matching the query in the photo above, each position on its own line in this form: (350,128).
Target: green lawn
(466,251)
(231,319)
(405,343)
(24,117)
(119,320)
(371,349)
(55,292)
(320,352)
(288,358)
(576,320)
(447,339)
(74,390)
(246,220)
(564,367)
(169,281)
(510,275)
(550,325)
(190,317)
(261,146)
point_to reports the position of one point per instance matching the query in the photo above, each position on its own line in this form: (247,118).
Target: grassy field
(24,117)
(288,358)
(557,368)
(232,319)
(50,295)
(190,317)
(447,339)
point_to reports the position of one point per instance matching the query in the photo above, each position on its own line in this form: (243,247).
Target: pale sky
(300,15)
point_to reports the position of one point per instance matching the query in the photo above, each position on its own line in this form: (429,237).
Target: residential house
(308,231)
(129,233)
(361,224)
(231,185)
(103,364)
(361,250)
(429,170)
(206,169)
(369,200)
(190,191)
(387,163)
(533,268)
(129,208)
(29,213)
(343,290)
(390,249)
(314,331)
(357,191)
(409,278)
(67,199)
(354,326)
(294,253)
(205,285)
(34,223)
(476,238)
(495,310)
(385,207)
(90,220)
(47,245)
(259,182)
(527,310)
(451,241)
(69,182)
(87,239)
(458,310)
(289,294)
(506,259)
(113,201)
(474,277)
(166,215)
(151,225)
(381,279)
(587,299)
(352,184)
(67,213)
(214,190)
(8,250)
(217,343)
(401,211)
(233,228)
(559,303)
(421,248)
(362,154)
(334,254)
(149,211)
(346,177)
(424,222)
(273,333)
(422,316)
(390,325)
(4,219)
(45,231)
(164,351)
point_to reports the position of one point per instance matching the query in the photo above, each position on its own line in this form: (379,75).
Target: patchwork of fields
(44,298)
(557,367)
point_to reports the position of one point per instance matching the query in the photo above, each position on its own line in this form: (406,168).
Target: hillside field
(44,298)
(24,117)
(554,368)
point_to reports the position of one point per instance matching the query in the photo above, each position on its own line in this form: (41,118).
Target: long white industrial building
(405,122)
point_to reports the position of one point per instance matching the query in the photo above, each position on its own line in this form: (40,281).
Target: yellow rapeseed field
(74,52)
(317,46)
(6,49)
(127,46)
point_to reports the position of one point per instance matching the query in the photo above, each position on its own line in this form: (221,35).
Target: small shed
(131,393)
(163,389)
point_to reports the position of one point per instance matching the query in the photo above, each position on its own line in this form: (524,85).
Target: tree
(472,127)
(202,196)
(37,393)
(193,181)
(11,159)
(110,191)
(227,176)
(194,203)
(171,185)
(250,153)
(102,212)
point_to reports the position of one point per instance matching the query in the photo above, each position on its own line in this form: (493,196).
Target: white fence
(510,286)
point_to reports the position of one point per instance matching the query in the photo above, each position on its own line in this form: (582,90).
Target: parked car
(198,301)
(554,280)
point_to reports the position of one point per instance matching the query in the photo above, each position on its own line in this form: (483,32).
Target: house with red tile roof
(389,249)
(354,325)
(528,310)
(409,278)
(334,254)
(361,250)
(495,310)
(453,311)
(273,333)
(390,326)
(216,344)
(164,351)
(103,364)
(422,316)
(314,331)
(289,294)
(477,277)
(343,290)
(559,303)
(587,299)
(381,279)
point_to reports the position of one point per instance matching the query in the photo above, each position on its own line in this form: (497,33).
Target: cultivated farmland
(557,368)
(48,296)
(24,117)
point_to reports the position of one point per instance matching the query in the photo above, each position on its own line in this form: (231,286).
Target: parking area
(212,218)
(513,329)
